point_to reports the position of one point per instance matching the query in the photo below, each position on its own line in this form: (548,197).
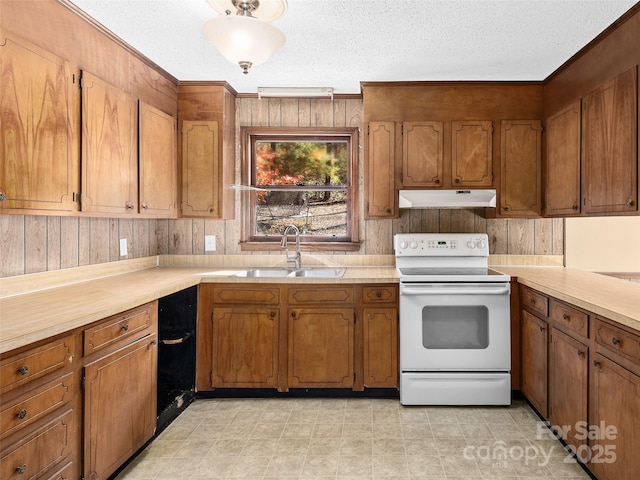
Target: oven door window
(455,327)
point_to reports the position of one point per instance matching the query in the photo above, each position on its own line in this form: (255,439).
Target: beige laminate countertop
(35,316)
(612,298)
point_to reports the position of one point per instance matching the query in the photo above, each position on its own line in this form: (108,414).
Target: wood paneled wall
(33,244)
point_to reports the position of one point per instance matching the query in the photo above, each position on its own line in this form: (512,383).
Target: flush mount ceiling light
(244,38)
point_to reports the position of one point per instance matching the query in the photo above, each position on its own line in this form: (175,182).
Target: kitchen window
(300,176)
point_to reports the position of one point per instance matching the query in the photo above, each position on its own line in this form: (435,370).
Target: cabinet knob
(506,209)
(293,314)
(21,414)
(575,207)
(532,301)
(272,314)
(596,363)
(615,341)
(437,180)
(3,196)
(129,205)
(565,317)
(21,469)
(154,342)
(542,329)
(144,205)
(457,180)
(124,327)
(580,353)
(629,203)
(23,370)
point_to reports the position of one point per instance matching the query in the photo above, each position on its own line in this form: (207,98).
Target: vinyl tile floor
(373,439)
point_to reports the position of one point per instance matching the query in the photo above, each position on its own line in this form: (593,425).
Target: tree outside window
(301,177)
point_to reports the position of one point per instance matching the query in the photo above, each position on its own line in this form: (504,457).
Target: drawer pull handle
(23,370)
(21,469)
(379,295)
(615,341)
(21,414)
(124,328)
(565,317)
(596,363)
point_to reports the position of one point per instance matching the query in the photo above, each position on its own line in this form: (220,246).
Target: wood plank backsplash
(32,244)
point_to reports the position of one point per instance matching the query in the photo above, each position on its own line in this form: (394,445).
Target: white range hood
(447,198)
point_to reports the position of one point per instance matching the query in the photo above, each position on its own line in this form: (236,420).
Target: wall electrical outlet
(123,247)
(209,243)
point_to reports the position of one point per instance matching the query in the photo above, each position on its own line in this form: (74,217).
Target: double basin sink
(283,272)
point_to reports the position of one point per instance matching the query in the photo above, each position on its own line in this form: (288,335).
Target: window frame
(249,136)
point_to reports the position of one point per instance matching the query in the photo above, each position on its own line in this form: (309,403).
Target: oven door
(455,327)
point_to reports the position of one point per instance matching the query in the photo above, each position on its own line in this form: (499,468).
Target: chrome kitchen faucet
(295,259)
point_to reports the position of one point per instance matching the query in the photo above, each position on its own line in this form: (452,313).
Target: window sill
(305,246)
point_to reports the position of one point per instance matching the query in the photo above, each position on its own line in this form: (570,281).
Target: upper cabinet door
(610,162)
(381,196)
(471,153)
(422,154)
(38,170)
(157,163)
(200,169)
(521,168)
(109,153)
(562,172)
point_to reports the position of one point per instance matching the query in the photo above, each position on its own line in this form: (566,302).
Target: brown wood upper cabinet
(206,116)
(109,153)
(381,194)
(39,170)
(422,154)
(610,143)
(521,168)
(562,166)
(158,163)
(471,153)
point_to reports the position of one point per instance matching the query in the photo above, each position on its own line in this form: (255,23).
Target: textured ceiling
(339,43)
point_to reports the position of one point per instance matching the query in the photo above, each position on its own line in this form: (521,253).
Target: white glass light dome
(244,40)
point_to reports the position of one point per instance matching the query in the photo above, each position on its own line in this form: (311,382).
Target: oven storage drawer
(445,388)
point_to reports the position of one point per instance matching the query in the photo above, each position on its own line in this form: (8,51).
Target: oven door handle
(455,290)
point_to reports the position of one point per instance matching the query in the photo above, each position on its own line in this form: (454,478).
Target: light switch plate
(123,247)
(209,243)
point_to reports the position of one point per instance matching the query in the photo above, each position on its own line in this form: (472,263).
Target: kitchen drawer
(35,404)
(380,294)
(63,473)
(321,294)
(35,454)
(617,340)
(569,317)
(534,302)
(246,294)
(115,328)
(35,363)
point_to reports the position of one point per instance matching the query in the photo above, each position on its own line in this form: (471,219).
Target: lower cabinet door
(568,367)
(380,347)
(321,347)
(534,361)
(614,421)
(119,406)
(245,350)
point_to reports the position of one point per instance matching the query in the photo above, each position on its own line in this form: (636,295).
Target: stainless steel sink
(318,272)
(282,272)
(267,272)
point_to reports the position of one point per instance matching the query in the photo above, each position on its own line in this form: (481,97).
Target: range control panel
(441,245)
